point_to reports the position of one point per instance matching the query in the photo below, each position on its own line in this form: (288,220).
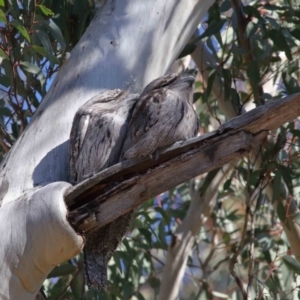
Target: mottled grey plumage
(163,115)
(97,136)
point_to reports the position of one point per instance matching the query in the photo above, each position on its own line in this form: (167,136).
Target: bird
(97,136)
(163,115)
(116,126)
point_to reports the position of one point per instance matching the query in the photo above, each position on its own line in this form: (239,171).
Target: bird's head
(185,80)
(181,81)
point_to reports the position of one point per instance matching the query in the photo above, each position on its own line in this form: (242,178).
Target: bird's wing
(91,136)
(153,123)
(77,135)
(98,150)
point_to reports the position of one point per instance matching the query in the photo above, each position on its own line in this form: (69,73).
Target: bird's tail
(95,270)
(100,247)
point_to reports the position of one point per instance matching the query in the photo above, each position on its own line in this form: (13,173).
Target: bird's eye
(155,99)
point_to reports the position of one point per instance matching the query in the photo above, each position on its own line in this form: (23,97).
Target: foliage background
(255,48)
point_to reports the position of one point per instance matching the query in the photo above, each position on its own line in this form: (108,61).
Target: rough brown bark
(128,184)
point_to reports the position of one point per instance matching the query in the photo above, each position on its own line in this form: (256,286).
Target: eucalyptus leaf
(21,29)
(281,211)
(46,11)
(40,50)
(292,263)
(31,68)
(3,54)
(212,29)
(280,42)
(62,270)
(187,50)
(2,16)
(77,285)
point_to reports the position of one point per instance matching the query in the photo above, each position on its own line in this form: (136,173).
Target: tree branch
(109,194)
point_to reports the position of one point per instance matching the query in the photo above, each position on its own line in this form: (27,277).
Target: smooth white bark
(35,237)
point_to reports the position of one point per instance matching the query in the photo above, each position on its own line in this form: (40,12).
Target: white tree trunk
(35,237)
(129,43)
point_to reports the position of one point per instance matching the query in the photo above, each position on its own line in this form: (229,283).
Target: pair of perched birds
(115,126)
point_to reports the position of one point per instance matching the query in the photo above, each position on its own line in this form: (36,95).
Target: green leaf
(234,216)
(3,54)
(40,50)
(281,212)
(276,187)
(273,23)
(57,34)
(2,16)
(252,11)
(226,83)
(46,11)
(250,29)
(163,214)
(2,3)
(207,181)
(253,75)
(225,6)
(43,37)
(31,68)
(275,59)
(272,283)
(296,34)
(187,50)
(62,270)
(227,184)
(295,132)
(210,81)
(196,96)
(286,175)
(117,259)
(212,29)
(6,79)
(280,42)
(21,28)
(5,111)
(147,234)
(254,177)
(292,263)
(235,100)
(77,286)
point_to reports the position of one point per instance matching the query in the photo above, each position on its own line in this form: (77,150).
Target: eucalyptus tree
(56,55)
